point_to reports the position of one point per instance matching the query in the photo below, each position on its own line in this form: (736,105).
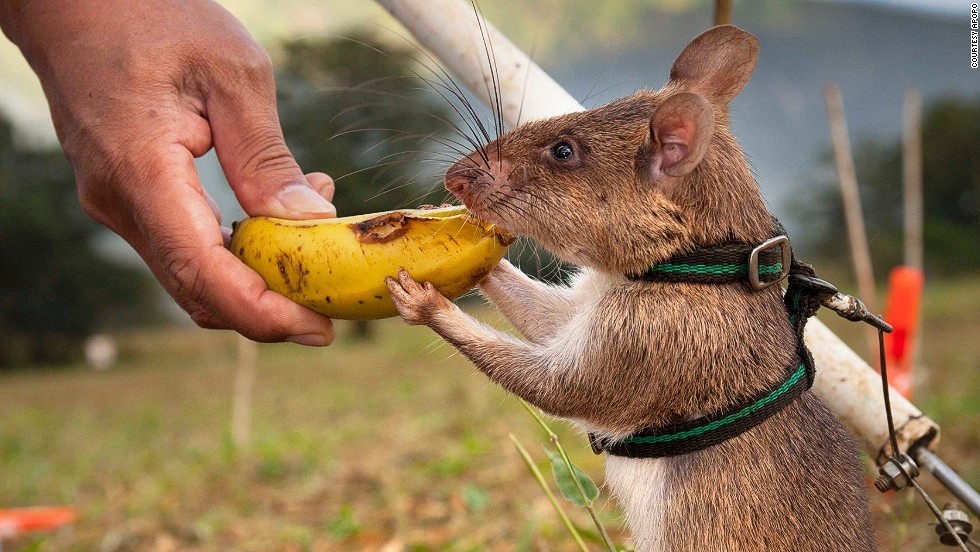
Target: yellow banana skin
(337,267)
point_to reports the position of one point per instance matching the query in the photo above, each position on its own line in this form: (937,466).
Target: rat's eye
(562,151)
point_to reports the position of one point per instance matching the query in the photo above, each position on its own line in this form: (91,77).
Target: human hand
(137,90)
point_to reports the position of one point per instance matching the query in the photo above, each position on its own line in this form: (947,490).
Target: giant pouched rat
(615,190)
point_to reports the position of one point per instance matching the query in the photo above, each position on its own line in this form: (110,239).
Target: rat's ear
(680,131)
(717,63)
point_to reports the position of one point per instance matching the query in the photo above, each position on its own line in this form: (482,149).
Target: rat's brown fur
(653,175)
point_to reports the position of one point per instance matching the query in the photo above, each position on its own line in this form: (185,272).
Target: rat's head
(631,183)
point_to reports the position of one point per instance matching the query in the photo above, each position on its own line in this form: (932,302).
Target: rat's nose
(471,175)
(461,177)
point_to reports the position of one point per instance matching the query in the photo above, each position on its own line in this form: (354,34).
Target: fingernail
(303,200)
(310,340)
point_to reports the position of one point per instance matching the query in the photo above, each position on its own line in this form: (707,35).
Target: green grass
(394,442)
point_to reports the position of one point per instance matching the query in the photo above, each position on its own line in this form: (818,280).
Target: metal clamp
(958,521)
(787,259)
(896,473)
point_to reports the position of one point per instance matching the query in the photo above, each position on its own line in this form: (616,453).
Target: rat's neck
(722,199)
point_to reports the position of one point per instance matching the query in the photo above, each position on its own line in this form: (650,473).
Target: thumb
(254,157)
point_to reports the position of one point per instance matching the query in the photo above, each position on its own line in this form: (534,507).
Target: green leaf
(566,484)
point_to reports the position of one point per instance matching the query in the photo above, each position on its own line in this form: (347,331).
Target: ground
(393,444)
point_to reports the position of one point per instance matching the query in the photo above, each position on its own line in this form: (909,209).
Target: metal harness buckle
(787,259)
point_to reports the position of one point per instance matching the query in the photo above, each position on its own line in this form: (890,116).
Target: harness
(757,266)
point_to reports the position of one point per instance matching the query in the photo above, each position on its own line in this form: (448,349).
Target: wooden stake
(241,406)
(849,386)
(857,236)
(723,12)
(912,177)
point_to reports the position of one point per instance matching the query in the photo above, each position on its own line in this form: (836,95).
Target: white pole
(451,30)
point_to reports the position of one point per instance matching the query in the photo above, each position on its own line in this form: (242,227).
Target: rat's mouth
(458,192)
(480,205)
(480,185)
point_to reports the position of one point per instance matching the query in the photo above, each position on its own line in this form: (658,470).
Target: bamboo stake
(450,29)
(241,406)
(912,196)
(857,236)
(912,177)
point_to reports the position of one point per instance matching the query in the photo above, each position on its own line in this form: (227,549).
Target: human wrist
(33,25)
(12,18)
(41,27)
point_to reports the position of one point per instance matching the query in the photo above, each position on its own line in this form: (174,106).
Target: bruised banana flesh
(337,267)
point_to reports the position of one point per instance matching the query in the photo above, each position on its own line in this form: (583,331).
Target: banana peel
(337,267)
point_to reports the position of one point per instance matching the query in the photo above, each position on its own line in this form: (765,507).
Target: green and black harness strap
(757,266)
(723,264)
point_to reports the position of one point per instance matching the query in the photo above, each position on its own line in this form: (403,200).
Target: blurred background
(112,402)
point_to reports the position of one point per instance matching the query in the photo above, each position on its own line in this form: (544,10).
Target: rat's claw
(402,299)
(406,282)
(416,302)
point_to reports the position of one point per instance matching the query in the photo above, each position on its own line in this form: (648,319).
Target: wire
(896,454)
(938,513)
(884,389)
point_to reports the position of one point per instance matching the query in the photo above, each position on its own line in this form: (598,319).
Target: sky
(939,7)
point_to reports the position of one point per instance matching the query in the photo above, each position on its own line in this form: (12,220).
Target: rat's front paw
(417,303)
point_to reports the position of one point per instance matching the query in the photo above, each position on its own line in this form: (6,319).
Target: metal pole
(454,31)
(945,474)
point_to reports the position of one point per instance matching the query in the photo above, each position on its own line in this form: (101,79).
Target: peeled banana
(337,267)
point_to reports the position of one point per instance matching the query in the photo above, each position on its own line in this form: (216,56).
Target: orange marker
(20,521)
(904,298)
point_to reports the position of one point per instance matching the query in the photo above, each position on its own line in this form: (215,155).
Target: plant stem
(568,464)
(551,496)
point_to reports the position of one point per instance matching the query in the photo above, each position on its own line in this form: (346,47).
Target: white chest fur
(588,285)
(640,486)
